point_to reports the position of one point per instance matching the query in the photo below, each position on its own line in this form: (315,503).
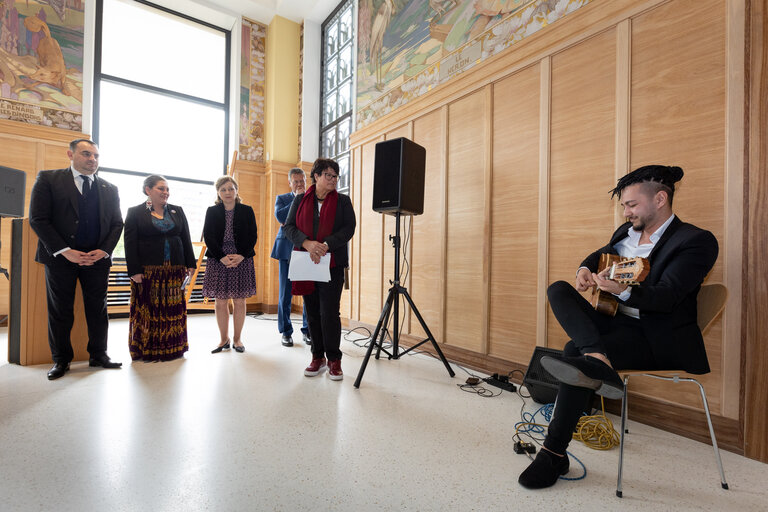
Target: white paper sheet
(302,268)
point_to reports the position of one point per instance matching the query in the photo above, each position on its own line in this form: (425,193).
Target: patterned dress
(158,318)
(229,283)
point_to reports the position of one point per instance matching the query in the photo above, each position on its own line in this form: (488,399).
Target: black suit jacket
(145,244)
(54,215)
(243,226)
(679,262)
(343,228)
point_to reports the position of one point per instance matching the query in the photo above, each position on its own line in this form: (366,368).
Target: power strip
(506,385)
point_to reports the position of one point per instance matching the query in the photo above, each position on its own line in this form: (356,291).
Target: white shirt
(630,247)
(79,184)
(78,181)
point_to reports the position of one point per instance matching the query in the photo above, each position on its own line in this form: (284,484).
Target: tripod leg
(426,330)
(384,314)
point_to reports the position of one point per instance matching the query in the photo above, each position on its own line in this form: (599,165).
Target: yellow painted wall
(282,95)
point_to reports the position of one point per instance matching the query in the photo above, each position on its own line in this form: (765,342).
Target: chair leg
(723,483)
(623,431)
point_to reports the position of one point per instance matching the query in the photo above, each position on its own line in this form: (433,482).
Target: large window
(337,88)
(161,102)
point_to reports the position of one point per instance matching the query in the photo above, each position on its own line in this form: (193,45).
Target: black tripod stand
(393,302)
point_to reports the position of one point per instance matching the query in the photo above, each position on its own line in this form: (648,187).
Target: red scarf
(305,221)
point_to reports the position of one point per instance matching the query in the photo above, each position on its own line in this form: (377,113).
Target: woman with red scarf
(321,220)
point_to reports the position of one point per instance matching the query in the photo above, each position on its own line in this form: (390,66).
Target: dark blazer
(282,248)
(243,226)
(145,245)
(679,262)
(54,214)
(343,228)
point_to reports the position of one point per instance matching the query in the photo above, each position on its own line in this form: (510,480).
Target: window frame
(347,116)
(98,76)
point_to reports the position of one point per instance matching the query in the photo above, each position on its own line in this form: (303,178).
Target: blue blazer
(281,250)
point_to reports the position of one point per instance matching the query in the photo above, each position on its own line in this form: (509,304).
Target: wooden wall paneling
(623,99)
(466,195)
(582,159)
(428,242)
(345,306)
(755,356)
(354,262)
(733,252)
(252,191)
(678,117)
(371,230)
(514,204)
(487,218)
(545,125)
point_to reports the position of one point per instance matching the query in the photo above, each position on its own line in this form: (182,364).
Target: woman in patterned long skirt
(230,234)
(159,255)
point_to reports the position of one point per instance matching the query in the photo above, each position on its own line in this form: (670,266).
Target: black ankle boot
(544,471)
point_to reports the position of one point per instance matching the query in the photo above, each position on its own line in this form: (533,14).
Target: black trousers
(60,284)
(620,338)
(323,316)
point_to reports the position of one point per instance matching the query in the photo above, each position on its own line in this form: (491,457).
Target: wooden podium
(28,320)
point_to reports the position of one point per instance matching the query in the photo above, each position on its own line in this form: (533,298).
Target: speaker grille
(540,384)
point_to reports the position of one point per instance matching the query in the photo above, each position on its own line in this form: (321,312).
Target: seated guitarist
(655,327)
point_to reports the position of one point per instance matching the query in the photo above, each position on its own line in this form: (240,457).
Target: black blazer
(343,228)
(679,262)
(243,226)
(54,214)
(145,245)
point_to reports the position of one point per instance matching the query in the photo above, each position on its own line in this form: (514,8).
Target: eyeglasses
(330,177)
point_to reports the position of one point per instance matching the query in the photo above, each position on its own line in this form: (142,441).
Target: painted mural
(252,87)
(408,47)
(41,62)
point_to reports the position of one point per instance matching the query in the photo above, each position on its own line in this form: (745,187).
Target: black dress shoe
(306,338)
(220,348)
(544,471)
(58,370)
(586,372)
(287,341)
(239,348)
(104,362)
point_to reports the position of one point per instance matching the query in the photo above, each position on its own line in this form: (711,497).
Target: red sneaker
(316,366)
(334,370)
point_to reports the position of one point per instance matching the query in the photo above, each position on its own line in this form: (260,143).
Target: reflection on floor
(231,431)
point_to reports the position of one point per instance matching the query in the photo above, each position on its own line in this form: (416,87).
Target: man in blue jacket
(281,251)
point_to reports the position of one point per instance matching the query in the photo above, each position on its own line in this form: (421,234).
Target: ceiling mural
(408,47)
(41,62)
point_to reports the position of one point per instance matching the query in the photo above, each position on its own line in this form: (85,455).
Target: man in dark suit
(76,216)
(655,327)
(281,251)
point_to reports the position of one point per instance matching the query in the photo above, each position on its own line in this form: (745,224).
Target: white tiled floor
(248,431)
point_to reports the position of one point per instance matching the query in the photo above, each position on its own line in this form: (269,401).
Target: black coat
(145,244)
(343,228)
(54,214)
(679,261)
(243,226)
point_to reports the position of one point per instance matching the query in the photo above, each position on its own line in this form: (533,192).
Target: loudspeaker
(12,192)
(398,177)
(540,384)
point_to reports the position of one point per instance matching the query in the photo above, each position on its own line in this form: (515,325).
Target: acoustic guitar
(630,271)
